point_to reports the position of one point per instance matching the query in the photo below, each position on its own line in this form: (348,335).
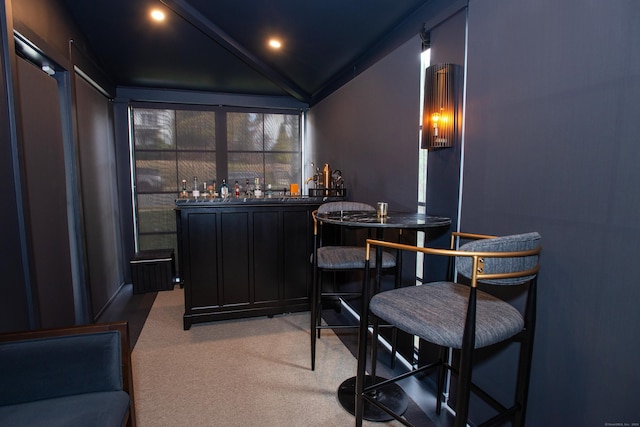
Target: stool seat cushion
(436,313)
(350,258)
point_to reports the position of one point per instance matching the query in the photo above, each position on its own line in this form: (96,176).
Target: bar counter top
(273,200)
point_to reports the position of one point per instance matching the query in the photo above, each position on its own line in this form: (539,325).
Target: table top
(405,220)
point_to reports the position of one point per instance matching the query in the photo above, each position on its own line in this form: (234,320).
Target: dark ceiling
(221,45)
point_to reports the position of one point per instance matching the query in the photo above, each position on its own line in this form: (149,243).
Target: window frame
(220,151)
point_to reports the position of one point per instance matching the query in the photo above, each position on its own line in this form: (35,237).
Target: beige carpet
(250,372)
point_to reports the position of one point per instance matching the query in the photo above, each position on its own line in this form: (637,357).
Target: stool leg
(397,284)
(464,389)
(522,387)
(319,304)
(526,354)
(313,322)
(374,345)
(443,355)
(362,348)
(394,344)
(466,363)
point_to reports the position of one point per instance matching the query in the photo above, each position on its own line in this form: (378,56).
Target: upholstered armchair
(78,376)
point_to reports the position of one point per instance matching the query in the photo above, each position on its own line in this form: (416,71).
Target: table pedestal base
(392,396)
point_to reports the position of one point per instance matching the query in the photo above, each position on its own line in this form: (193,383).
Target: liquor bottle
(184,194)
(247,188)
(214,190)
(237,189)
(224,189)
(257,191)
(205,192)
(196,190)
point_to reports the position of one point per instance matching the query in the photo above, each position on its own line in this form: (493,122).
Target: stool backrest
(344,206)
(492,265)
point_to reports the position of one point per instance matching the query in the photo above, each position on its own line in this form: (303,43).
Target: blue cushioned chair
(78,376)
(455,314)
(337,258)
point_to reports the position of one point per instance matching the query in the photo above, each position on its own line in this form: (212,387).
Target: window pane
(155,213)
(154,129)
(243,166)
(282,132)
(202,165)
(245,131)
(156,171)
(282,169)
(196,130)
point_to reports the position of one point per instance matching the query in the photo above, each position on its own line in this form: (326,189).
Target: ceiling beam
(199,21)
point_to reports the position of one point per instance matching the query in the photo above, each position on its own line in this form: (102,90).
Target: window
(212,144)
(425,61)
(265,146)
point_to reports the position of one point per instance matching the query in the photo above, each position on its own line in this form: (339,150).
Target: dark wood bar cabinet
(245,257)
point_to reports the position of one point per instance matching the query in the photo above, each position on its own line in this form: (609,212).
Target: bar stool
(454,315)
(337,258)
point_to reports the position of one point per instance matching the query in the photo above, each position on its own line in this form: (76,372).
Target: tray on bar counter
(339,192)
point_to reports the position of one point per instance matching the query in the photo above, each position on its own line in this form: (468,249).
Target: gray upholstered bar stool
(457,315)
(337,258)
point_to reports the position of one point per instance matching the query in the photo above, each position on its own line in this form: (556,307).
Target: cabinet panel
(201,269)
(234,255)
(296,265)
(266,246)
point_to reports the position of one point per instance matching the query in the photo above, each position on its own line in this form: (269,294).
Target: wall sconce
(441,113)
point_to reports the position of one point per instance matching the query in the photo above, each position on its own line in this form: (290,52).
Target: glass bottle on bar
(205,192)
(224,189)
(257,191)
(196,190)
(213,193)
(184,194)
(237,189)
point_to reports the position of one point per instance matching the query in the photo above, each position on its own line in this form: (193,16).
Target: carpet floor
(249,372)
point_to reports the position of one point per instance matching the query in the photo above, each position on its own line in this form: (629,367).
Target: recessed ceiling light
(157,15)
(275,43)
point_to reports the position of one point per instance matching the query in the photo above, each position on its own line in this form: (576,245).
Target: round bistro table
(392,395)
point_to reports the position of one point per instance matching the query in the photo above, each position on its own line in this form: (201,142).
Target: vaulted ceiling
(222,45)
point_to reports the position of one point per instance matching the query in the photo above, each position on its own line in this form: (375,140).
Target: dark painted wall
(374,141)
(552,145)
